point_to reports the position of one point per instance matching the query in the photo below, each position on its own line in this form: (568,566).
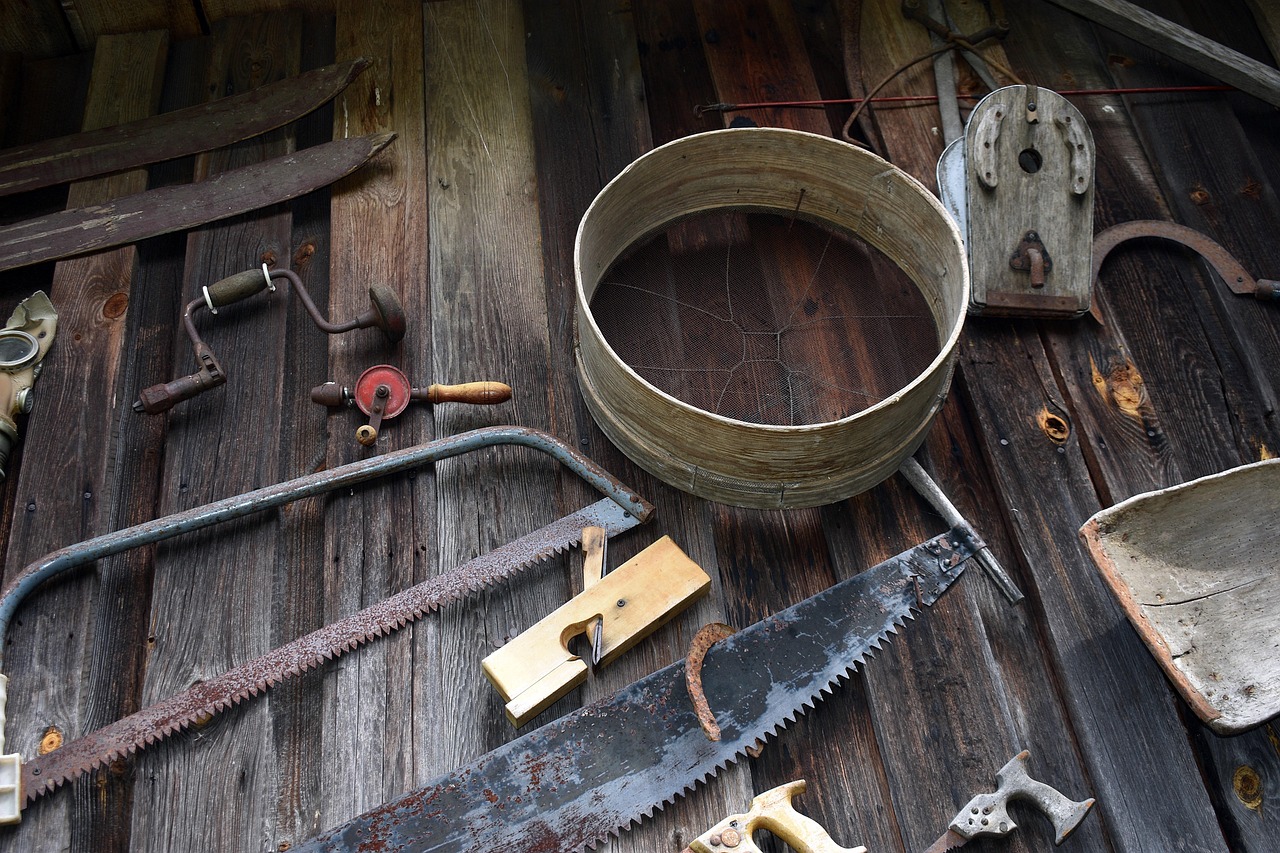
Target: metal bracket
(1031,256)
(1224,264)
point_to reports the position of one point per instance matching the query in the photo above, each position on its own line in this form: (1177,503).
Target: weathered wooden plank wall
(510,118)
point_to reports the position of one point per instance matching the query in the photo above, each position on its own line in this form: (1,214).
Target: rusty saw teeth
(44,774)
(589,775)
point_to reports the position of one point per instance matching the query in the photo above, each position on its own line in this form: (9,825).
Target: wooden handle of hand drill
(479,393)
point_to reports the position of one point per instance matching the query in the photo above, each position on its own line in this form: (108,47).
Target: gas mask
(23,344)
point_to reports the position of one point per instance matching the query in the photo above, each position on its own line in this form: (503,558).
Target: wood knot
(1199,195)
(304,254)
(51,740)
(1122,386)
(115,305)
(1248,786)
(1054,426)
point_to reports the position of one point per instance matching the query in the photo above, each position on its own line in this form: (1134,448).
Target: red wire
(886,99)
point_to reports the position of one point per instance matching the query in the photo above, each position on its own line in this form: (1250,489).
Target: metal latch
(1031,256)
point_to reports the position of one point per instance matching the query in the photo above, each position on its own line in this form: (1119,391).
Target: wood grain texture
(89,20)
(1183,44)
(585,72)
(375,538)
(37,29)
(77,423)
(209,611)
(298,592)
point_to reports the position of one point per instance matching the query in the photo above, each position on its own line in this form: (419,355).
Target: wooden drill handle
(479,393)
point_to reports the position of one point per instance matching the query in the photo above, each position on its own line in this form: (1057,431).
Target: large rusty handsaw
(173,134)
(589,775)
(619,510)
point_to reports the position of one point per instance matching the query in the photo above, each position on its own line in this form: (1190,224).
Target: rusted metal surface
(588,775)
(47,772)
(168,209)
(619,510)
(706,637)
(1224,264)
(173,134)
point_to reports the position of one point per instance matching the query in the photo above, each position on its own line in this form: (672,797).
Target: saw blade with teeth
(589,775)
(126,736)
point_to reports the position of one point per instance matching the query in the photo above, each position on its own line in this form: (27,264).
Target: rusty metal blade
(587,776)
(173,134)
(948,840)
(159,211)
(45,773)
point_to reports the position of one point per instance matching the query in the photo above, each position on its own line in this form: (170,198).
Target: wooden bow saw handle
(773,811)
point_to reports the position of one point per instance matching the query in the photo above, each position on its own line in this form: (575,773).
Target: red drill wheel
(397,384)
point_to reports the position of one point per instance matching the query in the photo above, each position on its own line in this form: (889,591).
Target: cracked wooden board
(1197,574)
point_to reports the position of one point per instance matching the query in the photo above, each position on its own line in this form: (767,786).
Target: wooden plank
(489,320)
(1093,651)
(1172,39)
(77,423)
(374,539)
(585,69)
(742,72)
(1232,201)
(298,731)
(88,20)
(211,600)
(37,29)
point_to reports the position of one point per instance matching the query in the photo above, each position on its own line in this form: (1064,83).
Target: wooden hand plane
(537,668)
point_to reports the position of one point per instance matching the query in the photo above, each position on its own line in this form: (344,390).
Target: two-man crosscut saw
(619,510)
(589,775)
(173,134)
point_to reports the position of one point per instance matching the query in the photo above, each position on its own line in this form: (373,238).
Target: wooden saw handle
(773,811)
(478,393)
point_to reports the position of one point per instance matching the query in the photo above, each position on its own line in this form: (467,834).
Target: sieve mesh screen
(765,318)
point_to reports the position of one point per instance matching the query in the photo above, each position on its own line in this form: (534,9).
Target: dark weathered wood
(298,595)
(211,602)
(168,135)
(1086,633)
(375,540)
(585,83)
(489,321)
(142,215)
(756,52)
(36,29)
(74,493)
(1232,201)
(1181,43)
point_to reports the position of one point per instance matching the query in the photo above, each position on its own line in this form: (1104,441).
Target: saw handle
(987,814)
(773,811)
(478,393)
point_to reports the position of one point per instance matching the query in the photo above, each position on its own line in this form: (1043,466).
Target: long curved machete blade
(590,774)
(173,134)
(159,211)
(45,773)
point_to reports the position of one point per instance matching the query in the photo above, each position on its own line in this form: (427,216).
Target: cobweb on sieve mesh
(765,318)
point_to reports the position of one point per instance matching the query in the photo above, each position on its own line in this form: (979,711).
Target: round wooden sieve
(792,174)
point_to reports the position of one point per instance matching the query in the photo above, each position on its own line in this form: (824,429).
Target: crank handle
(771,811)
(163,397)
(477,393)
(986,814)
